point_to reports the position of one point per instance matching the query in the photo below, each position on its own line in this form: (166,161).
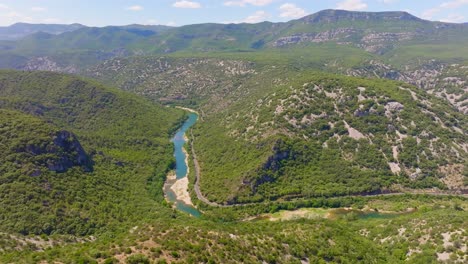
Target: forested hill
(314,134)
(77,157)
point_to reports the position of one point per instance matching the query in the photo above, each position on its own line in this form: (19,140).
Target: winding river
(176,187)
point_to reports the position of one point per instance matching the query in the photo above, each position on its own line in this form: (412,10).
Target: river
(181,170)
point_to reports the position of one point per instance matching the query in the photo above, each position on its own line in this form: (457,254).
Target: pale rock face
(354,133)
(394,167)
(47,64)
(393,107)
(330,35)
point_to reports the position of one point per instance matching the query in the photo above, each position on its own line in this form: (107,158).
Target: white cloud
(454,4)
(258,16)
(14,17)
(454,18)
(352,5)
(234,3)
(186,4)
(429,13)
(38,9)
(291,11)
(171,24)
(2,6)
(135,8)
(248,2)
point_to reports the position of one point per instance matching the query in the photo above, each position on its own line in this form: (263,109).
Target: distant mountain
(333,16)
(377,33)
(20,30)
(392,45)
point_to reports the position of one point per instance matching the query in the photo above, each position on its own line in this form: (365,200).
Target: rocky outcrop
(47,64)
(393,108)
(71,153)
(379,42)
(272,165)
(331,35)
(63,153)
(333,16)
(375,42)
(446,81)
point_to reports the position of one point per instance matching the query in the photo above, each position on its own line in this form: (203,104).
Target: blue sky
(182,12)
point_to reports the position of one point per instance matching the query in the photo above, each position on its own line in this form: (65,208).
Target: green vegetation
(126,137)
(324,135)
(391,34)
(82,165)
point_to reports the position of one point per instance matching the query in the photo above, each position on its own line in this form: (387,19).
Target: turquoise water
(179,141)
(181,167)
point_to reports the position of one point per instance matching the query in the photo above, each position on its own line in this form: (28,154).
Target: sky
(183,12)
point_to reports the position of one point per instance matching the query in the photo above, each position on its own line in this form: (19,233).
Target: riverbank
(180,189)
(180,186)
(187,109)
(177,182)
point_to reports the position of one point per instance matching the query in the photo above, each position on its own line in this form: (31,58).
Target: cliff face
(333,16)
(30,146)
(70,153)
(59,155)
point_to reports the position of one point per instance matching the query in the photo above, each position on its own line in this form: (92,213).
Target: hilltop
(20,30)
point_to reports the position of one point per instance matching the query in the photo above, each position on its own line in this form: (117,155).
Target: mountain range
(20,30)
(378,33)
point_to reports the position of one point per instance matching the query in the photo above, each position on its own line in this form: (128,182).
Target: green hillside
(319,134)
(259,110)
(80,158)
(109,207)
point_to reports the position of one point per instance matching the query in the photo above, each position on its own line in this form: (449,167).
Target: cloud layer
(352,5)
(135,8)
(187,4)
(289,10)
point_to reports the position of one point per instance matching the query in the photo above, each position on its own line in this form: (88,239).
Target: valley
(338,137)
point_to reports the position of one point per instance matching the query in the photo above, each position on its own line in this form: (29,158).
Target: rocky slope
(183,80)
(444,80)
(369,130)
